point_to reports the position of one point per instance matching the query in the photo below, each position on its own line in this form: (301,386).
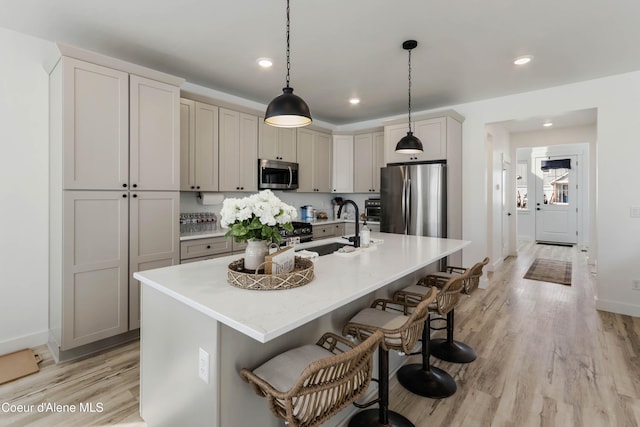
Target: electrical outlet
(203,366)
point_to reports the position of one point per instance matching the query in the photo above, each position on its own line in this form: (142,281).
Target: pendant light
(287,110)
(409,144)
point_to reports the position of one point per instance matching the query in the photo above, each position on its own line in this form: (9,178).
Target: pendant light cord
(288,48)
(409,90)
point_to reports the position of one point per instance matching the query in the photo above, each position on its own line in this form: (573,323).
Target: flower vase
(254,254)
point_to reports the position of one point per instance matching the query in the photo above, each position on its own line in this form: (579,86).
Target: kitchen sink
(327,248)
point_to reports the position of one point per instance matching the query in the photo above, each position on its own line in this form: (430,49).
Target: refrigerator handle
(404,206)
(407,202)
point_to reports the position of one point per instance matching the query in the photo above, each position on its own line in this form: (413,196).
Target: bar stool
(401,332)
(307,385)
(447,348)
(422,378)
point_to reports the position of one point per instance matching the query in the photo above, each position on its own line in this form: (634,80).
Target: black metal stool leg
(424,379)
(381,416)
(450,350)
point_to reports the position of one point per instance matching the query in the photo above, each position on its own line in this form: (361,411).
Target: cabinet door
(322,163)
(433,135)
(287,144)
(154,239)
(276,143)
(187,145)
(305,141)
(342,164)
(248,153)
(362,163)
(378,160)
(154,137)
(95,126)
(268,141)
(393,134)
(95,267)
(206,147)
(229,175)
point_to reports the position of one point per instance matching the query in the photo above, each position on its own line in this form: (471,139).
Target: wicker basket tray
(301,275)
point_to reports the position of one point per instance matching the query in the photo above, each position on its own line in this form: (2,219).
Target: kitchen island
(191,309)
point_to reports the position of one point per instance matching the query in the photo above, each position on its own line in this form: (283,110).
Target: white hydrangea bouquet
(257,217)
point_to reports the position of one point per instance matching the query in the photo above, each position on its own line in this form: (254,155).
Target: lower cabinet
(208,248)
(154,233)
(328,230)
(98,240)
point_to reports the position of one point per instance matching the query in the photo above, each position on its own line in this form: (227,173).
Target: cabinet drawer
(328,230)
(204,247)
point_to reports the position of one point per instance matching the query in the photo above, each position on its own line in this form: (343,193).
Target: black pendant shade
(409,144)
(287,111)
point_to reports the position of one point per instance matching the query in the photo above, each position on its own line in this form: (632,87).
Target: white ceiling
(345,48)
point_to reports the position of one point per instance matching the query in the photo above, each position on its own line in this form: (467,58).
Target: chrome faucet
(356,239)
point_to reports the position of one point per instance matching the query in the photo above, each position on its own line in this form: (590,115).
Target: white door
(506,209)
(556,199)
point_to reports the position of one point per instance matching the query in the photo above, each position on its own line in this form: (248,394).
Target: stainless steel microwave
(277,175)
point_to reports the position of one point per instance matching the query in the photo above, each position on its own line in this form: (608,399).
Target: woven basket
(301,275)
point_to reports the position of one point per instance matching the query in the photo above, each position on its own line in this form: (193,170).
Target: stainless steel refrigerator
(414,199)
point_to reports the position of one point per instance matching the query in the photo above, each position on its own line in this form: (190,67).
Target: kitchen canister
(306,213)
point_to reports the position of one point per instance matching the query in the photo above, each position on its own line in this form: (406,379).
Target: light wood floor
(546,357)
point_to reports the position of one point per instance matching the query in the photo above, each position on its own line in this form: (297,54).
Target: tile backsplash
(320,202)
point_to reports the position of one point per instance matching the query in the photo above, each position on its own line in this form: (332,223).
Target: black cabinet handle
(124,196)
(208,246)
(193,187)
(198,187)
(135,185)
(134,196)
(124,185)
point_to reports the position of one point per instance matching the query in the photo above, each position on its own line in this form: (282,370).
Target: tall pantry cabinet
(114,195)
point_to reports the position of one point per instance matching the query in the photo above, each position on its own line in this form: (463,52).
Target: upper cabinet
(314,159)
(342,164)
(368,153)
(276,143)
(436,134)
(238,140)
(90,108)
(198,146)
(118,130)
(154,135)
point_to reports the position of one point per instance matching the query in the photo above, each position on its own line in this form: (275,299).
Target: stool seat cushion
(382,319)
(283,371)
(416,289)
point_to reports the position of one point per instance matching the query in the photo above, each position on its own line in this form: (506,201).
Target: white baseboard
(484,282)
(26,341)
(618,307)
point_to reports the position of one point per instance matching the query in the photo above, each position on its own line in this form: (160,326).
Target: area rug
(18,364)
(550,270)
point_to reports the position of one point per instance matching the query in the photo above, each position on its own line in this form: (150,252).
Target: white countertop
(265,315)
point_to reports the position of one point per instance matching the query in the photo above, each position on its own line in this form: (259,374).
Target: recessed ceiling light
(521,60)
(354,101)
(547,124)
(265,62)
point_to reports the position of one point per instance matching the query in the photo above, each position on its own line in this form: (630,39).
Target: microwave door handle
(290,177)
